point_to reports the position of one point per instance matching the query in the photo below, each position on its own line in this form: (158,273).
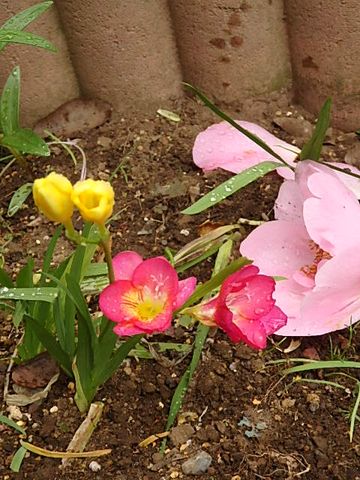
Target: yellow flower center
(149,308)
(144,306)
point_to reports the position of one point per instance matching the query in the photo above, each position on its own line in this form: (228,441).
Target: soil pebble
(198,464)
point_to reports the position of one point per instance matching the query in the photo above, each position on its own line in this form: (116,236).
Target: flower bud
(94,199)
(52,196)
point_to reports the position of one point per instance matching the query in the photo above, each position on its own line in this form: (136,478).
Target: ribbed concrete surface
(48,79)
(232,49)
(123,51)
(324,41)
(135,53)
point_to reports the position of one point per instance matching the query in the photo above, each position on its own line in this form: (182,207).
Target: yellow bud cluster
(56,198)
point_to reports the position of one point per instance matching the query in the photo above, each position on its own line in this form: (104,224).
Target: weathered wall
(135,53)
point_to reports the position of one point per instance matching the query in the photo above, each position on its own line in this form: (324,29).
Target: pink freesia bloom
(145,294)
(244,308)
(222,146)
(314,244)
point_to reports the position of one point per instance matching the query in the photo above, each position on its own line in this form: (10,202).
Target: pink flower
(222,146)
(244,308)
(314,244)
(145,294)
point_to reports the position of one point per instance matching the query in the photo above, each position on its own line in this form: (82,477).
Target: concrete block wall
(134,54)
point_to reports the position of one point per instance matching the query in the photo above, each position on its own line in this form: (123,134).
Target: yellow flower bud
(94,199)
(52,196)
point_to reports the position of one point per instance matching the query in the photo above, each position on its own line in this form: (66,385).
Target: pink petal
(332,214)
(289,296)
(159,324)
(253,331)
(117,300)
(157,276)
(335,301)
(274,320)
(185,290)
(124,264)
(205,312)
(254,299)
(289,203)
(278,248)
(352,183)
(127,330)
(224,319)
(222,146)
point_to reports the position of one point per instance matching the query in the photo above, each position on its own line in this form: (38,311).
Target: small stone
(288,403)
(94,466)
(314,401)
(174,474)
(14,412)
(181,434)
(104,142)
(54,409)
(198,464)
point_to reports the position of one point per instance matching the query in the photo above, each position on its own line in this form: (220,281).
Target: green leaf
(231,186)
(10,423)
(5,280)
(312,149)
(24,18)
(18,314)
(322,364)
(45,294)
(51,345)
(19,198)
(103,372)
(24,278)
(26,141)
(25,38)
(17,459)
(232,122)
(49,252)
(9,103)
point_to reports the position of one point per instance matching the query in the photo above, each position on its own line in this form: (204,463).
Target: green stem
(106,244)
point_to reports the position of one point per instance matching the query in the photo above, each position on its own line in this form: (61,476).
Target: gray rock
(197,464)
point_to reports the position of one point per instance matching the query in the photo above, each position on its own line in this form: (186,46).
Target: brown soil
(305,425)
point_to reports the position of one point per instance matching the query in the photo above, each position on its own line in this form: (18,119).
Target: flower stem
(106,245)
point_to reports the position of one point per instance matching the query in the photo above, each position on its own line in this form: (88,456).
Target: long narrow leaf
(9,104)
(49,252)
(312,149)
(17,459)
(5,280)
(19,198)
(51,345)
(229,187)
(10,423)
(104,372)
(24,18)
(317,365)
(232,122)
(25,38)
(45,294)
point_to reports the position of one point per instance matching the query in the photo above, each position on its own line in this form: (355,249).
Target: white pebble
(54,409)
(94,466)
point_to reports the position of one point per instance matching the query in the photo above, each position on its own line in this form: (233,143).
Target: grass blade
(312,149)
(10,423)
(354,411)
(319,365)
(19,198)
(229,187)
(17,459)
(9,103)
(25,38)
(232,122)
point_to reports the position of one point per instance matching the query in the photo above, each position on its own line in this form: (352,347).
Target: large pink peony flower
(244,308)
(313,243)
(145,294)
